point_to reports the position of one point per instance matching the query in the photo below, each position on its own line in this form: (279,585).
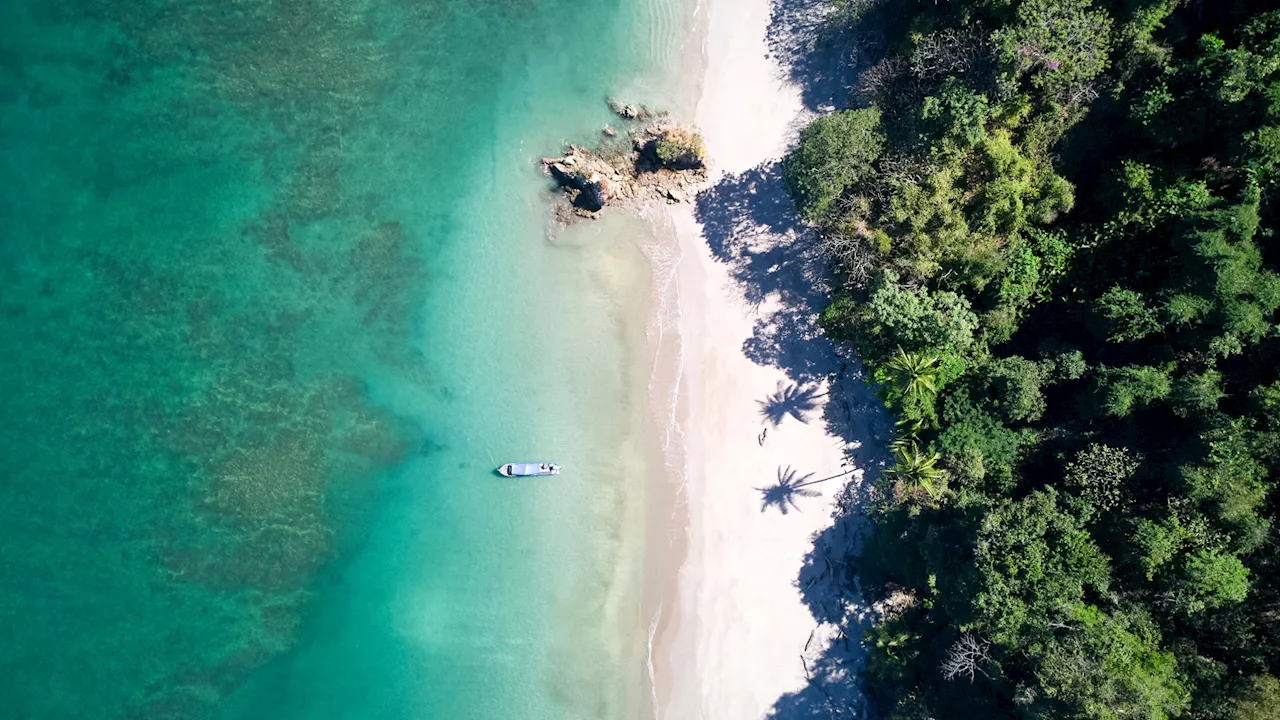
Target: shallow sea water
(277,291)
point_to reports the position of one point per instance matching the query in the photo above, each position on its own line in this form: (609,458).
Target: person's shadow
(750,224)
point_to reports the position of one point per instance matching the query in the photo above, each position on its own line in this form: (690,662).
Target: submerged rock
(628,112)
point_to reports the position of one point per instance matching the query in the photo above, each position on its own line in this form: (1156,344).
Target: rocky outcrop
(627,111)
(589,182)
(658,160)
(678,148)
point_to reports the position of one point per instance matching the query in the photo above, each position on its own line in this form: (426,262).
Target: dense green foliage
(1053,226)
(836,152)
(681,148)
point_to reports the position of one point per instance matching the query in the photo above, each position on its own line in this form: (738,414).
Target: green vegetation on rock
(681,147)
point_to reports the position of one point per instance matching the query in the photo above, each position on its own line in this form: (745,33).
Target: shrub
(836,153)
(1211,579)
(1061,43)
(1017,381)
(1123,315)
(1158,543)
(1110,666)
(1123,388)
(1067,365)
(1099,472)
(1196,395)
(976,445)
(838,319)
(681,147)
(958,114)
(1259,701)
(916,319)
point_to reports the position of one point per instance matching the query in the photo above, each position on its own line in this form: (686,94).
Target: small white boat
(529,469)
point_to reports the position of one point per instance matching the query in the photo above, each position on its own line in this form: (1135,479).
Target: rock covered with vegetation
(1053,223)
(677,148)
(654,159)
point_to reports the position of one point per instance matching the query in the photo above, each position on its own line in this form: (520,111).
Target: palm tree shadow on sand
(789,487)
(751,227)
(783,495)
(796,400)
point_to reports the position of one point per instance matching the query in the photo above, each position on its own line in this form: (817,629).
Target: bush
(1197,395)
(1099,473)
(976,445)
(1034,561)
(1259,701)
(1211,579)
(1110,666)
(839,319)
(1155,544)
(1123,315)
(916,319)
(836,153)
(958,114)
(1062,44)
(1231,484)
(681,147)
(1067,365)
(1123,388)
(1017,382)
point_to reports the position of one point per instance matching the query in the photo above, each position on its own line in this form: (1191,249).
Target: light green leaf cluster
(836,152)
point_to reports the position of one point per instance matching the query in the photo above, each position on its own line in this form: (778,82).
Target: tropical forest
(1052,226)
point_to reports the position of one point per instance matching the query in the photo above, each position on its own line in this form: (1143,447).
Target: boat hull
(529,469)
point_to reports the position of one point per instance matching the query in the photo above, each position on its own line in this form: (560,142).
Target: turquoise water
(277,290)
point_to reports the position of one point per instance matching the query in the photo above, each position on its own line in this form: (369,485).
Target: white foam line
(653,633)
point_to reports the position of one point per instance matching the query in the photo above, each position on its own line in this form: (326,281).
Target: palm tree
(917,470)
(908,433)
(914,374)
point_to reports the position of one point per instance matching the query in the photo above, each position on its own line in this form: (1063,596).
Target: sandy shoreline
(733,624)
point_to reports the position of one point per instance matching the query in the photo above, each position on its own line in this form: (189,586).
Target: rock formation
(658,160)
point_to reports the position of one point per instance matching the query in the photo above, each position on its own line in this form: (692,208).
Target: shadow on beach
(819,53)
(833,657)
(750,224)
(794,400)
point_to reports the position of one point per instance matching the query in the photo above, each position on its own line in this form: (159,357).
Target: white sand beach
(731,639)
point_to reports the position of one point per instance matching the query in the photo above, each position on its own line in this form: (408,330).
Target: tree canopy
(1053,225)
